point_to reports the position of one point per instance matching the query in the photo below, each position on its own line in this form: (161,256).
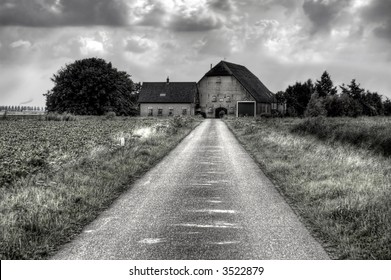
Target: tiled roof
(177,92)
(247,79)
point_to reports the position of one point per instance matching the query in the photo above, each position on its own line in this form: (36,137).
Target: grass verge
(373,133)
(41,211)
(342,192)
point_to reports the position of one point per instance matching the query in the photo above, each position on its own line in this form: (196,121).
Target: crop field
(338,184)
(56,176)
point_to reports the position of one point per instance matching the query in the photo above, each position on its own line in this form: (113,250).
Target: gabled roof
(177,92)
(247,79)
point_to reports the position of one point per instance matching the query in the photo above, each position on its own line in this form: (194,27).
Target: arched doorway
(218,110)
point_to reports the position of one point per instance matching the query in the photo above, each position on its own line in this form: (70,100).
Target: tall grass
(42,211)
(368,133)
(342,192)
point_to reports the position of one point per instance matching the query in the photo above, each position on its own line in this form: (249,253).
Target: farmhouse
(168,99)
(229,88)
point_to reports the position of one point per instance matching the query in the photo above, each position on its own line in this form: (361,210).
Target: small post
(122,141)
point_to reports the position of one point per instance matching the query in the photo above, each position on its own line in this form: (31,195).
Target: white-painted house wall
(175,108)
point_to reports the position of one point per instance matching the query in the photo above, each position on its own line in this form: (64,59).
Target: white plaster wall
(177,108)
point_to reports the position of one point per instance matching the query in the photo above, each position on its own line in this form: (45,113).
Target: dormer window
(162,95)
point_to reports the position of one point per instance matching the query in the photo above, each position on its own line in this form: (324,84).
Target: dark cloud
(53,13)
(323,14)
(268,4)
(378,13)
(155,15)
(181,19)
(221,5)
(194,22)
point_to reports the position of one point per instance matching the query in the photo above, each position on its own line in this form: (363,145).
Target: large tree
(91,87)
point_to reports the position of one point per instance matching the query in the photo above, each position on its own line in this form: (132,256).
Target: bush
(316,106)
(180,121)
(110,115)
(60,117)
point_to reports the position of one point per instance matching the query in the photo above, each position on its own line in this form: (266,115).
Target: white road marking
(224,242)
(215,225)
(147,182)
(214,201)
(152,240)
(210,211)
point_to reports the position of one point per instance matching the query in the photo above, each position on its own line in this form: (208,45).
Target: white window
(218,80)
(150,111)
(170,111)
(160,112)
(214,98)
(228,99)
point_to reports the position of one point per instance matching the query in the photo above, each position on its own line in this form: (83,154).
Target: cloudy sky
(280,41)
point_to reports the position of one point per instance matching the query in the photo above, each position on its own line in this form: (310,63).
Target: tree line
(22,108)
(322,98)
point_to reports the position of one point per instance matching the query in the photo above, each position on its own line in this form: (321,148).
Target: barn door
(246,108)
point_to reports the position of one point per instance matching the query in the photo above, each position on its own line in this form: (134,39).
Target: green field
(340,188)
(56,176)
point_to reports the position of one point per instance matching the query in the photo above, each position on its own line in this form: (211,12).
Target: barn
(234,90)
(226,88)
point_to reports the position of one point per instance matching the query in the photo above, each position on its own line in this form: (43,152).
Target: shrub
(110,115)
(60,117)
(316,106)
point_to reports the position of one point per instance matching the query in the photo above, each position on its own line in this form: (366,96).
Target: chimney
(168,80)
(211,66)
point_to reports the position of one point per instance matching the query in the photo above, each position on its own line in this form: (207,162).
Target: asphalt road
(206,200)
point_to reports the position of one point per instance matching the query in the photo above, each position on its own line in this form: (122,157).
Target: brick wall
(224,91)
